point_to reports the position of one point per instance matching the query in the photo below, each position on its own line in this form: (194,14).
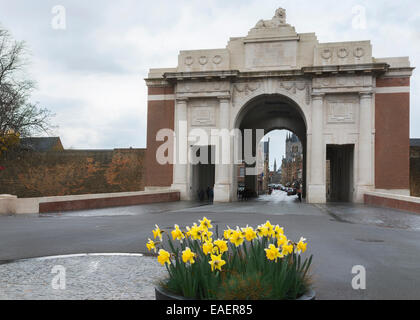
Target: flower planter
(162,294)
(244,254)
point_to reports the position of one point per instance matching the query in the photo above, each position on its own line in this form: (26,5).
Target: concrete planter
(162,294)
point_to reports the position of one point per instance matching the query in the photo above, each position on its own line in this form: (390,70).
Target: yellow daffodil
(260,231)
(282,240)
(217,262)
(177,234)
(249,234)
(164,257)
(195,232)
(268,229)
(221,245)
(151,245)
(206,235)
(157,233)
(236,238)
(227,233)
(208,247)
(273,253)
(287,249)
(206,223)
(188,256)
(301,246)
(278,231)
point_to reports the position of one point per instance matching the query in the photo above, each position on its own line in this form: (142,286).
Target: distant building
(275,175)
(41,144)
(415,167)
(262,169)
(292,163)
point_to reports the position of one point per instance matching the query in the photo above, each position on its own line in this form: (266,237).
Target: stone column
(181,149)
(316,185)
(223,185)
(365,161)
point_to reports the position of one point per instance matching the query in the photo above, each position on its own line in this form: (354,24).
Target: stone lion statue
(279,19)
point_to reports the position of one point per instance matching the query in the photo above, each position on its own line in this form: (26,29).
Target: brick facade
(392,140)
(161,113)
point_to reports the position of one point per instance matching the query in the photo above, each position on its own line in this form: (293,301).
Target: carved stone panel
(341,109)
(270,55)
(203,116)
(204,60)
(343,53)
(203,113)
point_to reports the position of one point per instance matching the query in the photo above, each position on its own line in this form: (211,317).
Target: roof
(414,142)
(41,144)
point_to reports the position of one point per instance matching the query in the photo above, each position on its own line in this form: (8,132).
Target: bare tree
(17,113)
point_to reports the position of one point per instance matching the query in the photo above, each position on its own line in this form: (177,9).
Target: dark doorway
(203,172)
(340,173)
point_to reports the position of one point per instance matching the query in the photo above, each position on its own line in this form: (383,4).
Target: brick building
(292,163)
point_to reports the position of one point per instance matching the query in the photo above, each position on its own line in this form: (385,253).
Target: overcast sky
(91,74)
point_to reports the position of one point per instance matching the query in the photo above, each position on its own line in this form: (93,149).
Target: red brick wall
(72,172)
(62,206)
(161,115)
(392,203)
(392,142)
(392,82)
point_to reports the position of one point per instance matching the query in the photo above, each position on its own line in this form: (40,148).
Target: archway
(260,116)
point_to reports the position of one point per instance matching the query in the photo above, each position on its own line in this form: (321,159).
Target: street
(340,236)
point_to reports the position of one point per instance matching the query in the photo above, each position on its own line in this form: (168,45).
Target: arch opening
(261,116)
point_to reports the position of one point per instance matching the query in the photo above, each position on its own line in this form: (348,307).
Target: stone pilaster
(316,185)
(365,181)
(223,185)
(181,149)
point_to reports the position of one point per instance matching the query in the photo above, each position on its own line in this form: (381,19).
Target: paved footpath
(386,242)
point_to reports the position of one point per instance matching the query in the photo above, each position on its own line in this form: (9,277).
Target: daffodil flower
(164,257)
(287,249)
(273,253)
(195,232)
(227,233)
(157,233)
(151,245)
(208,247)
(217,262)
(206,235)
(206,223)
(188,256)
(221,245)
(282,240)
(268,229)
(301,246)
(177,234)
(249,233)
(278,231)
(236,238)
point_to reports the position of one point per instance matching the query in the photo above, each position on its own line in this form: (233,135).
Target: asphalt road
(386,242)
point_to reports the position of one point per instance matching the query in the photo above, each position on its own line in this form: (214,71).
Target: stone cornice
(351,68)
(157,82)
(201,75)
(371,68)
